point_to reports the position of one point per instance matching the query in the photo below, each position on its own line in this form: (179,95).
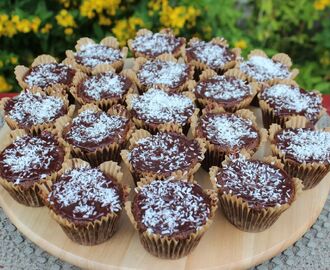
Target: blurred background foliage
(300,28)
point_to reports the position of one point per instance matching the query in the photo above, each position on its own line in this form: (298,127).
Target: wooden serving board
(222,247)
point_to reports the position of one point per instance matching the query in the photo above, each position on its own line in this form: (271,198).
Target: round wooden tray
(222,247)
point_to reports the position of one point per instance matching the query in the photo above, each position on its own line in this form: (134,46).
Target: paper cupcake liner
(241,215)
(28,194)
(90,232)
(150,175)
(168,247)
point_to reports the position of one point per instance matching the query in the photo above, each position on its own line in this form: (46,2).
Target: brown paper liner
(168,247)
(150,175)
(38,128)
(110,42)
(311,174)
(165,58)
(241,215)
(89,232)
(28,193)
(103,153)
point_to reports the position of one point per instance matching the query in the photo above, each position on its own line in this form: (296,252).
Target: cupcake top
(104,85)
(31,158)
(211,54)
(169,207)
(165,73)
(158,106)
(29,109)
(49,74)
(90,130)
(258,183)
(264,69)
(223,89)
(304,145)
(228,131)
(85,194)
(165,153)
(91,55)
(288,100)
(153,45)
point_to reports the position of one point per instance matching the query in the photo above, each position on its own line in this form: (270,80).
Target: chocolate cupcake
(226,133)
(97,136)
(104,87)
(150,45)
(157,110)
(253,193)
(163,155)
(305,152)
(231,91)
(164,71)
(86,202)
(46,73)
(34,111)
(281,101)
(28,161)
(214,54)
(171,216)
(89,54)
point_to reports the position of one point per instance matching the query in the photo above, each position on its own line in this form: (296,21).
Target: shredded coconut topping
(288,99)
(161,107)
(157,72)
(211,54)
(305,145)
(31,109)
(264,69)
(229,130)
(156,44)
(222,88)
(85,193)
(170,207)
(92,55)
(260,184)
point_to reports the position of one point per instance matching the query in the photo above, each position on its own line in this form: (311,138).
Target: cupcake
(97,136)
(214,54)
(103,88)
(171,216)
(253,193)
(86,202)
(227,133)
(150,45)
(46,73)
(231,91)
(34,111)
(305,152)
(157,110)
(164,71)
(89,54)
(28,161)
(163,155)
(281,101)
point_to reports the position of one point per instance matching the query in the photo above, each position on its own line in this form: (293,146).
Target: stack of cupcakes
(175,109)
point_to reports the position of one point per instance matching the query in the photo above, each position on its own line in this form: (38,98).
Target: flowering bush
(300,28)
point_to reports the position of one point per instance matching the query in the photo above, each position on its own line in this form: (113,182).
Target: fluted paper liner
(38,128)
(138,63)
(168,247)
(311,173)
(151,175)
(110,42)
(29,194)
(244,217)
(102,153)
(88,232)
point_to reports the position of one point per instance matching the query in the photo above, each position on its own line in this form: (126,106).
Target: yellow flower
(23,26)
(68,31)
(46,28)
(35,23)
(4,85)
(89,8)
(13,60)
(240,44)
(126,29)
(103,20)
(65,3)
(321,4)
(65,19)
